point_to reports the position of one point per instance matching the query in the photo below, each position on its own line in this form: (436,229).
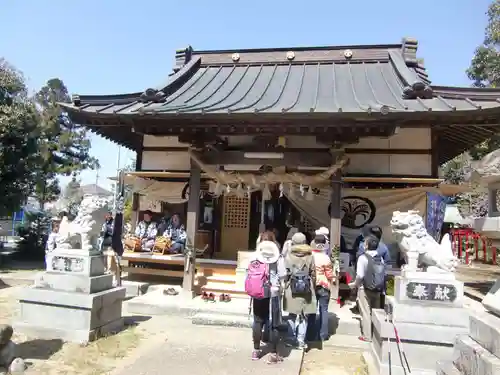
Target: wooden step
(218,279)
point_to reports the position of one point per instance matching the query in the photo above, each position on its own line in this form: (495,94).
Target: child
(318,324)
(262,284)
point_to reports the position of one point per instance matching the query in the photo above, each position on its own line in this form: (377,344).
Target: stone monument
(427,306)
(74,299)
(479,352)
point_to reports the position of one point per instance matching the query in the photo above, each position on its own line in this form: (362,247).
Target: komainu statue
(83,232)
(419,248)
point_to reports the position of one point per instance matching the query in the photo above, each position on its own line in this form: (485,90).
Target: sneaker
(256,355)
(273,359)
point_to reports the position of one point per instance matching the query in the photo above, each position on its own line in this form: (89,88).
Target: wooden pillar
(335,222)
(191,228)
(136,197)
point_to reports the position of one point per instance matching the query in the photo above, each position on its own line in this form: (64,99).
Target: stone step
(337,326)
(233,290)
(446,368)
(472,359)
(134,288)
(485,329)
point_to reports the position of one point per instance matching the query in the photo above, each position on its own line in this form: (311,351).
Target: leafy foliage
(64,147)
(18,140)
(474,203)
(484,69)
(72,196)
(34,234)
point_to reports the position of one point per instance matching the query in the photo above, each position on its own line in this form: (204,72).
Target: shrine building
(242,140)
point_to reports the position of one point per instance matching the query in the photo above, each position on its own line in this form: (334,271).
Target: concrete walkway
(187,349)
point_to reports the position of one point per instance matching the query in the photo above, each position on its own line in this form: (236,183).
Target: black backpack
(374,279)
(300,280)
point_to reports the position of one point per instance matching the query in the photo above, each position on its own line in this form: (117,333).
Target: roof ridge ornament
(152,95)
(409,51)
(182,57)
(76,100)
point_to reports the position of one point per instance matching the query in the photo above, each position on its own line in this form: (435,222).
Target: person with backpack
(299,297)
(263,284)
(371,274)
(318,324)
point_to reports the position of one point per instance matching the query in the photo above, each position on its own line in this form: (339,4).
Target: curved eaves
(151,94)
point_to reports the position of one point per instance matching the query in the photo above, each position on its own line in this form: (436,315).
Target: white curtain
(363,206)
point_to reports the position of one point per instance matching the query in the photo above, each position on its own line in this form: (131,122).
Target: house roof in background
(95,189)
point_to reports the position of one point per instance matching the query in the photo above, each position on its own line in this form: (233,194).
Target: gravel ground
(330,361)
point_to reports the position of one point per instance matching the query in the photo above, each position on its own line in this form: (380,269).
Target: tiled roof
(356,79)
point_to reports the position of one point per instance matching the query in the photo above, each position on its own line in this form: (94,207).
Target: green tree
(484,69)
(18,139)
(127,210)
(64,148)
(72,196)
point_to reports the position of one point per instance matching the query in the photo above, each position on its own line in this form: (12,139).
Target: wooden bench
(137,263)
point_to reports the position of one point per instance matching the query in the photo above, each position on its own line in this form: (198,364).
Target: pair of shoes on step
(208,297)
(170,292)
(224,298)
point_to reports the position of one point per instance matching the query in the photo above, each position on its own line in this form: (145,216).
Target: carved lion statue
(409,231)
(83,232)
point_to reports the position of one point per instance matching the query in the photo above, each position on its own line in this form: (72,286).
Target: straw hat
(267,252)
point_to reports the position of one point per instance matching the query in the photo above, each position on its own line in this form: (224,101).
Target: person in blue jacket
(382,250)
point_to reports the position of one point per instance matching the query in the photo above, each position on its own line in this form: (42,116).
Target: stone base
(485,330)
(75,317)
(492,300)
(454,288)
(77,262)
(81,336)
(423,343)
(73,283)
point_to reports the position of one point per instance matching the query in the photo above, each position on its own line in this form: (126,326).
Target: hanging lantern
(309,194)
(302,189)
(266,194)
(211,187)
(239,191)
(281,190)
(218,189)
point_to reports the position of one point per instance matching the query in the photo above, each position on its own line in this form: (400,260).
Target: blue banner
(436,207)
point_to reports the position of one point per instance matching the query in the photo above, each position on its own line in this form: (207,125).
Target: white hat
(299,238)
(267,252)
(323,230)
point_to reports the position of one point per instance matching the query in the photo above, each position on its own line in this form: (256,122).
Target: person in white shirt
(52,240)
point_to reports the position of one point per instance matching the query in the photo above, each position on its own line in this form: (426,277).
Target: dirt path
(331,361)
(53,357)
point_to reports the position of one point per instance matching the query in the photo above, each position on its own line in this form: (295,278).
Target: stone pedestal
(428,314)
(479,352)
(73,300)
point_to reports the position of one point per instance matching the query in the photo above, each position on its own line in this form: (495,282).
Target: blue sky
(112,46)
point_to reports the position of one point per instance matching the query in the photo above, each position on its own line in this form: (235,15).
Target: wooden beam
(319,158)
(191,228)
(335,220)
(387,151)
